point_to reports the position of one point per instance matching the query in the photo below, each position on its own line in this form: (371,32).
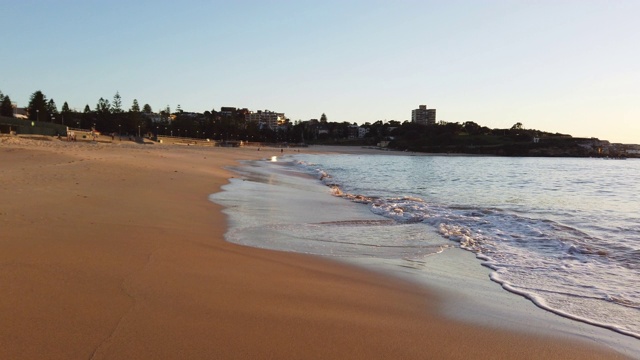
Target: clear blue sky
(561,66)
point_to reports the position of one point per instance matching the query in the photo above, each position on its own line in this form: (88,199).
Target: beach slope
(114,252)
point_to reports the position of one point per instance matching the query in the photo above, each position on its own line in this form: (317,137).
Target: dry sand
(113,251)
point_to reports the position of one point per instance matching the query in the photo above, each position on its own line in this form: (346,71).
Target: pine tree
(116,108)
(134,118)
(87,116)
(6,108)
(65,113)
(103,106)
(135,107)
(38,109)
(147,109)
(52,107)
(102,119)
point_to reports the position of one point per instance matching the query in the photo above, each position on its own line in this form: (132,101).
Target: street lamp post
(138,130)
(37,114)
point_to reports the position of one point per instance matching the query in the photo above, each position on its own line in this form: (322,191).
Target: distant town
(235,126)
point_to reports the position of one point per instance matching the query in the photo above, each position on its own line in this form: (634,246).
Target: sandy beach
(113,251)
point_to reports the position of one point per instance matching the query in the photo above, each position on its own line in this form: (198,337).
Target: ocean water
(562,232)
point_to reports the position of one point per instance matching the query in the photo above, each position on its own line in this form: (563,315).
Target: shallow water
(565,233)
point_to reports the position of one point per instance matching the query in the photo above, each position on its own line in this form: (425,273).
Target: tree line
(109,116)
(106,116)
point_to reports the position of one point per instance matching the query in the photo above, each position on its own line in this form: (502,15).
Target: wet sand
(113,251)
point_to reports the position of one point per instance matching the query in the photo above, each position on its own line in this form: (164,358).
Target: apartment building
(423,116)
(268,118)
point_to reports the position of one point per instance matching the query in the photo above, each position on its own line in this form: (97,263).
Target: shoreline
(116,252)
(469,282)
